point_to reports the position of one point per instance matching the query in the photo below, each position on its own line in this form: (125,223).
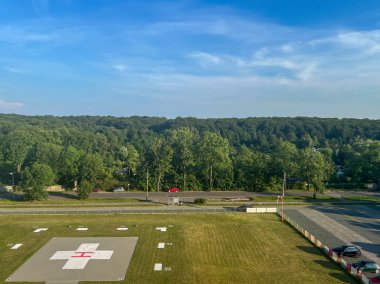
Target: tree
(315,168)
(91,168)
(158,158)
(183,141)
(84,189)
(15,147)
(130,157)
(214,155)
(363,162)
(35,179)
(285,158)
(69,162)
(44,153)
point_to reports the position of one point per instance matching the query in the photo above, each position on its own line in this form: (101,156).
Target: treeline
(190,153)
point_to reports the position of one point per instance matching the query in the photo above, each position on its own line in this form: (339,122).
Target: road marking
(16,246)
(157,267)
(40,230)
(79,258)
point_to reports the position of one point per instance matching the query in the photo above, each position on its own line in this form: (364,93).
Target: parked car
(347,250)
(96,189)
(173,189)
(375,279)
(119,189)
(366,266)
(243,208)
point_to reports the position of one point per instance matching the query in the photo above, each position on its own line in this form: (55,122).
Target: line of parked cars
(360,266)
(117,189)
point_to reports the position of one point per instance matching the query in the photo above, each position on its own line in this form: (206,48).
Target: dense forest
(190,153)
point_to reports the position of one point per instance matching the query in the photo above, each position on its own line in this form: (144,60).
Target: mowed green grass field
(207,248)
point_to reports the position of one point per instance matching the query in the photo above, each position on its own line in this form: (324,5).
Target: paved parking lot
(336,225)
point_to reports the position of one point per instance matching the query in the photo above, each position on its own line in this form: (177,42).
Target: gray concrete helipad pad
(78,259)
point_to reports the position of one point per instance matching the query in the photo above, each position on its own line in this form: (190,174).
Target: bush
(200,201)
(84,189)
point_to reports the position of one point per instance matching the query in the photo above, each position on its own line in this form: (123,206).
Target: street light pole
(147,183)
(283,197)
(13,186)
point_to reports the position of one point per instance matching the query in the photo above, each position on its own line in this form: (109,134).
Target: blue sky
(190,58)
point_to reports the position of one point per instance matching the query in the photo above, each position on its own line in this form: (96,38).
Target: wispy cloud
(206,58)
(6,105)
(40,7)
(119,67)
(13,34)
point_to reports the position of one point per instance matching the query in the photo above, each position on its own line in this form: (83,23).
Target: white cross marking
(78,259)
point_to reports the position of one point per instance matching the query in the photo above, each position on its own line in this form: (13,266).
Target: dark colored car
(352,251)
(243,208)
(375,279)
(366,266)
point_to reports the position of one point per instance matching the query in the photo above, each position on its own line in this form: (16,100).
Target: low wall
(345,265)
(261,210)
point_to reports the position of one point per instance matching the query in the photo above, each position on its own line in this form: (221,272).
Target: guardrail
(344,264)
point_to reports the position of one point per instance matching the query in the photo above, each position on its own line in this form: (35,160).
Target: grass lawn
(207,248)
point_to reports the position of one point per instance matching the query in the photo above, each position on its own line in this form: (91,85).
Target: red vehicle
(375,279)
(96,189)
(173,189)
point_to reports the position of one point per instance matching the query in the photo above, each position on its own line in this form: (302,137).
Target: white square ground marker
(122,229)
(82,229)
(40,230)
(162,229)
(161,245)
(16,246)
(157,267)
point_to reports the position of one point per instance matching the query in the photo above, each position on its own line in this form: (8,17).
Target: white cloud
(5,105)
(206,58)
(40,7)
(119,67)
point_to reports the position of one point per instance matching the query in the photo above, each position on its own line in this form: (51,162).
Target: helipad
(78,259)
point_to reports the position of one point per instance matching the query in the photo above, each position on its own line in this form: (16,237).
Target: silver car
(119,189)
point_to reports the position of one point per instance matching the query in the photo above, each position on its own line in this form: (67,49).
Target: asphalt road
(339,224)
(189,195)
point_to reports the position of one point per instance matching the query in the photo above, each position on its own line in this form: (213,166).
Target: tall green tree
(158,158)
(363,162)
(15,147)
(91,168)
(35,180)
(130,157)
(69,164)
(315,168)
(183,141)
(214,155)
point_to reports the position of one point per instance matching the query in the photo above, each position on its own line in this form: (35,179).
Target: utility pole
(283,197)
(284,185)
(147,183)
(13,186)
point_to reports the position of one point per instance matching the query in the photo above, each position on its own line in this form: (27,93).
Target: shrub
(200,201)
